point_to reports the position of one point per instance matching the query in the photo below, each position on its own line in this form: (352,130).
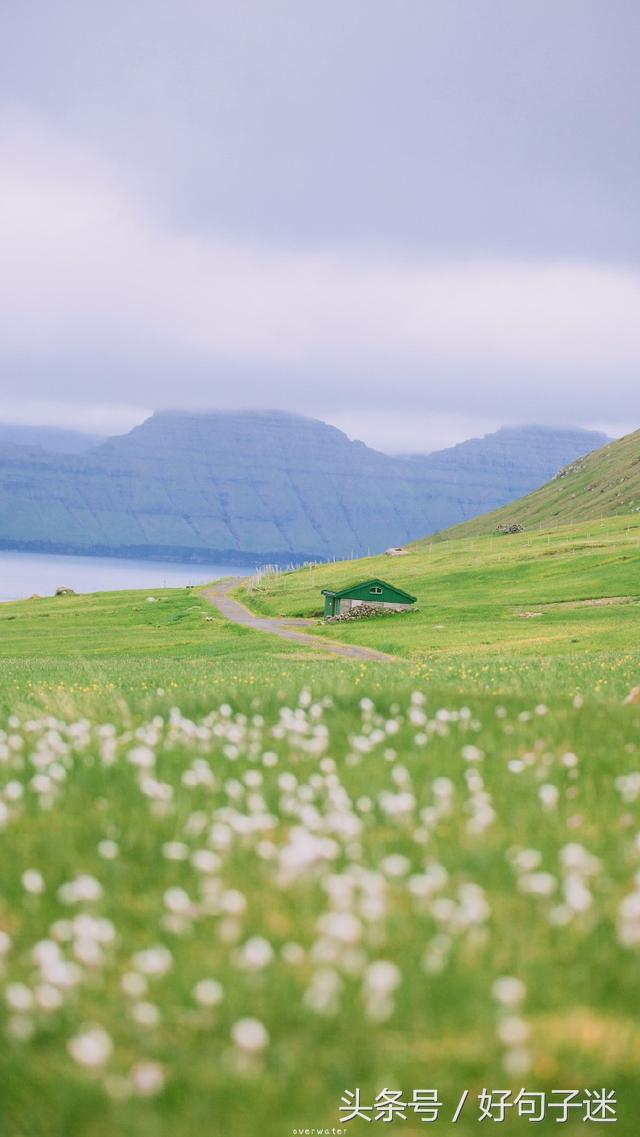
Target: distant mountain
(247,486)
(604,483)
(51,438)
(505,465)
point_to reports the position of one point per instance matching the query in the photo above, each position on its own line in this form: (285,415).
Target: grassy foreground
(240,881)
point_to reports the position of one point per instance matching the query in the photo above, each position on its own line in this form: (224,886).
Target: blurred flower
(250,1035)
(549,794)
(153,961)
(147,1078)
(508,991)
(208,993)
(255,954)
(33,881)
(91,1047)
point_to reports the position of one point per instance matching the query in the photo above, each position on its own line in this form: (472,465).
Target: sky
(417,221)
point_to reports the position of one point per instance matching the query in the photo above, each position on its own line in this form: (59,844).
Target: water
(22,574)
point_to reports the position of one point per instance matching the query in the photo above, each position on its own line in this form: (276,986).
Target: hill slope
(605,483)
(557,592)
(260,485)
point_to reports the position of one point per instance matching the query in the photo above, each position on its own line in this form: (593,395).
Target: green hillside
(545,593)
(605,483)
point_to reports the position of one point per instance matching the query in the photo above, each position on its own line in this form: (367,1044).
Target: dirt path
(231,609)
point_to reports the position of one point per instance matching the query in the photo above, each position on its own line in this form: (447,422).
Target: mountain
(52,438)
(487,472)
(260,485)
(605,483)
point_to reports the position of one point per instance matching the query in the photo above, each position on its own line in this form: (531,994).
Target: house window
(376,591)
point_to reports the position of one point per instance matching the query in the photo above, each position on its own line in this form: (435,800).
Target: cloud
(102,299)
(96,418)
(399,432)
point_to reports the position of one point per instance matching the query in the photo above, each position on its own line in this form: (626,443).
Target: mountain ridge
(56,439)
(602,483)
(239,486)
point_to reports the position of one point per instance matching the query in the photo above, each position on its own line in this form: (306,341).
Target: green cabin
(376,593)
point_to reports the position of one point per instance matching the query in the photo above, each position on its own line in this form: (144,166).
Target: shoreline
(161,554)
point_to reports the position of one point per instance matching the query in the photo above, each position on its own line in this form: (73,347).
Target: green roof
(341,593)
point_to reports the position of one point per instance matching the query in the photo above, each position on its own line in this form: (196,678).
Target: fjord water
(23,574)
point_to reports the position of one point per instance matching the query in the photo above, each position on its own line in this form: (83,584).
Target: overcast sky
(417,220)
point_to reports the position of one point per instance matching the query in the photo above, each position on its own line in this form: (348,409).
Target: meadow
(569,589)
(242,881)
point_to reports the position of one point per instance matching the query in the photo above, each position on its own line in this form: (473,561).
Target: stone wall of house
(346,605)
(360,609)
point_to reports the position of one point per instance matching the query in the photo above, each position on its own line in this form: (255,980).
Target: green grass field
(566,591)
(240,879)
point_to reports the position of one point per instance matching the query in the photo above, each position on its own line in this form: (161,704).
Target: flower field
(230,910)
(251,891)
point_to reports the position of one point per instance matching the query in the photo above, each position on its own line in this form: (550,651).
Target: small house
(374,593)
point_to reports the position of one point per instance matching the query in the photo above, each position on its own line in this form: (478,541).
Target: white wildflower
(143,757)
(175,851)
(516,1062)
(206,861)
(147,1078)
(91,1047)
(382,976)
(576,893)
(177,900)
(19,997)
(628,785)
(472,753)
(629,919)
(292,953)
(341,926)
(508,991)
(153,961)
(381,979)
(208,993)
(323,993)
(538,883)
(233,903)
(48,997)
(255,954)
(33,881)
(250,1035)
(549,795)
(569,760)
(134,984)
(145,1014)
(395,865)
(82,888)
(437,954)
(513,1030)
